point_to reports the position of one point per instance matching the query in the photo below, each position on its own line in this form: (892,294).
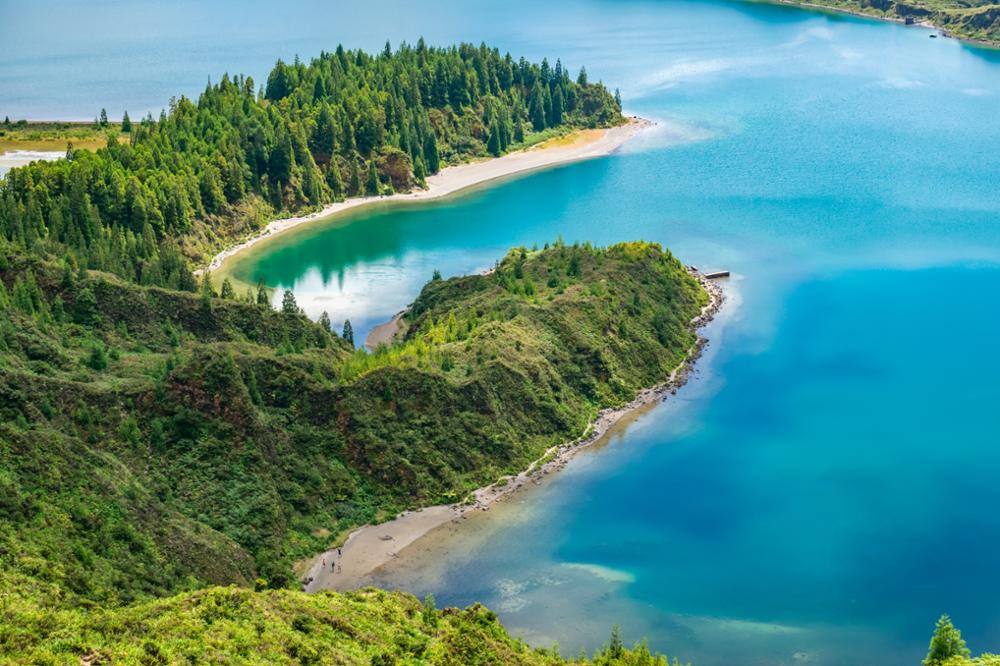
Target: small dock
(715,275)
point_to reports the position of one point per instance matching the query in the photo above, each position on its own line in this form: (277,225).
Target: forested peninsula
(154,441)
(165,192)
(970,20)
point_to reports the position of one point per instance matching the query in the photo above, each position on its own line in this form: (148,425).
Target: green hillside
(153,441)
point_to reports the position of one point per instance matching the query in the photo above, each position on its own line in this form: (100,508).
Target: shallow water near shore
(825,487)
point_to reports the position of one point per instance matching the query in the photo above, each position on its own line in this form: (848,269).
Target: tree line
(348,123)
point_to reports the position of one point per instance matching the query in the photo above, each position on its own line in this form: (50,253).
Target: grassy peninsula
(970,20)
(154,441)
(209,172)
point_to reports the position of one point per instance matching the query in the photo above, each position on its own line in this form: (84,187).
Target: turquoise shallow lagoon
(827,484)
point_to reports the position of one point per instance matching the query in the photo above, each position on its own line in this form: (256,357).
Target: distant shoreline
(584,144)
(370,547)
(901,20)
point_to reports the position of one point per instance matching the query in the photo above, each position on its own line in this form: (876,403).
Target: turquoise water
(825,487)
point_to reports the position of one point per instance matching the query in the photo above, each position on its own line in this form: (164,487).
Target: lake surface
(827,484)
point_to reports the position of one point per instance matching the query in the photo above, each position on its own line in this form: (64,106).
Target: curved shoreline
(451,180)
(811,5)
(370,547)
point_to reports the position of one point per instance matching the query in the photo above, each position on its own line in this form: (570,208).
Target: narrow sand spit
(583,145)
(370,547)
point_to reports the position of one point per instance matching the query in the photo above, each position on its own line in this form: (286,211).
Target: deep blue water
(825,487)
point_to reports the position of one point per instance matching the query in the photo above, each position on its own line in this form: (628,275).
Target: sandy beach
(582,145)
(385,333)
(371,547)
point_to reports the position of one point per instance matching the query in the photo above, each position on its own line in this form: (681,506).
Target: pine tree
(98,358)
(420,170)
(536,107)
(126,123)
(227,290)
(324,321)
(431,155)
(493,144)
(946,643)
(85,311)
(207,289)
(262,298)
(325,136)
(617,647)
(334,181)
(252,389)
(557,106)
(103,121)
(372,185)
(355,186)
(348,331)
(288,304)
(581,79)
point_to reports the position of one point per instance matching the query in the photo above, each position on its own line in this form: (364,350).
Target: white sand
(450,180)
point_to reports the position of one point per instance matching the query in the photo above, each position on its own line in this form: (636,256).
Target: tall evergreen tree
(126,123)
(536,107)
(557,107)
(262,298)
(227,290)
(493,144)
(946,643)
(348,331)
(288,304)
(355,186)
(372,184)
(431,155)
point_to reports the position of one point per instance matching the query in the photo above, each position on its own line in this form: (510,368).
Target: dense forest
(346,124)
